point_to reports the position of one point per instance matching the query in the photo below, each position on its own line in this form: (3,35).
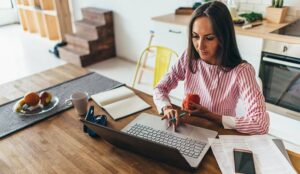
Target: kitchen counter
(262,31)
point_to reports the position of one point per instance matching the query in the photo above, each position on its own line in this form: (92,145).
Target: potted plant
(277,12)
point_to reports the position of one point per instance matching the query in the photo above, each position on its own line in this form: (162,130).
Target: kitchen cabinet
(170,35)
(250,49)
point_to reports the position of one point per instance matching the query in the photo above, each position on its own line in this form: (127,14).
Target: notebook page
(126,107)
(111,96)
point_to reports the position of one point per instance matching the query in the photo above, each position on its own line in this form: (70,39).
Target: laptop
(149,136)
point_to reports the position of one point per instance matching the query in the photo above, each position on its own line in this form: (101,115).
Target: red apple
(190,98)
(45,98)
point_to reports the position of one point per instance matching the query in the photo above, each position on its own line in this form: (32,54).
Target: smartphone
(243,161)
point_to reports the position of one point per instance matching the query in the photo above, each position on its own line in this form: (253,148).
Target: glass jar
(232,6)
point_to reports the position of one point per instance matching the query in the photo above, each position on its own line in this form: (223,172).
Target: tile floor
(122,70)
(23,53)
(26,53)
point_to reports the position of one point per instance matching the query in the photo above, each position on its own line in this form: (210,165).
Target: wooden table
(58,144)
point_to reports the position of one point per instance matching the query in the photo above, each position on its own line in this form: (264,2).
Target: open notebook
(120,102)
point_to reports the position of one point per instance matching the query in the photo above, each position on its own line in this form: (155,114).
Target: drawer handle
(176,32)
(285,48)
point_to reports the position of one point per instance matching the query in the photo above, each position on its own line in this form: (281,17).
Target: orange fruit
(32,98)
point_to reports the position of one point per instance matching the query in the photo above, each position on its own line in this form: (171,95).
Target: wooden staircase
(94,39)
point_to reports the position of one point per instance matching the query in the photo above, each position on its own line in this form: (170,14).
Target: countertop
(263,31)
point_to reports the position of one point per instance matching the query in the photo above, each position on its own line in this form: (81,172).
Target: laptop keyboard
(186,146)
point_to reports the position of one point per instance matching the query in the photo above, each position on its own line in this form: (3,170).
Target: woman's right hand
(169,113)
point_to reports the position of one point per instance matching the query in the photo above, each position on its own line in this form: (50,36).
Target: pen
(174,119)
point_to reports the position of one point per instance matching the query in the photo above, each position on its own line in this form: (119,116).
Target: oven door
(281,81)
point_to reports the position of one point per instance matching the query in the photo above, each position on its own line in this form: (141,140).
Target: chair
(295,159)
(163,56)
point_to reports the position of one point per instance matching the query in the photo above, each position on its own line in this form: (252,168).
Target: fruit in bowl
(45,98)
(190,98)
(19,105)
(33,101)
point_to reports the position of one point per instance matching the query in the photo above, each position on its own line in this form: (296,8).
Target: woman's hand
(198,110)
(170,113)
(201,111)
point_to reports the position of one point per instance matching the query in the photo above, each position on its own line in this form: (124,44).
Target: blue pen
(174,119)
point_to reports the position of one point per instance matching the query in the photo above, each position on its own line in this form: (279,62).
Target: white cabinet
(171,36)
(250,49)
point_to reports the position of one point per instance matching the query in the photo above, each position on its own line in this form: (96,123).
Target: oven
(280,74)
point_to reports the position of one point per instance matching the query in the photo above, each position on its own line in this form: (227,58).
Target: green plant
(277,3)
(251,17)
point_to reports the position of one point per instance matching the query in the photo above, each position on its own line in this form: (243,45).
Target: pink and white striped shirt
(219,91)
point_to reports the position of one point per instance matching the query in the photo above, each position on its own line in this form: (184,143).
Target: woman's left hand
(201,111)
(198,110)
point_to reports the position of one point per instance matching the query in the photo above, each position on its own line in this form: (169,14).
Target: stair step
(89,43)
(72,54)
(79,40)
(90,24)
(94,38)
(95,10)
(101,32)
(89,28)
(97,15)
(76,50)
(81,57)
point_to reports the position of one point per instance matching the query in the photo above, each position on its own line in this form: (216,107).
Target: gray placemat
(92,83)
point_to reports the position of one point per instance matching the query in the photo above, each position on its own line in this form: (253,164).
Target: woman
(213,68)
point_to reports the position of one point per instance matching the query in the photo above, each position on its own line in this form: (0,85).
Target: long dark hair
(228,55)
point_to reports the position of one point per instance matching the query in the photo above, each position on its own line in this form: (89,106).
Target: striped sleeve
(169,82)
(256,120)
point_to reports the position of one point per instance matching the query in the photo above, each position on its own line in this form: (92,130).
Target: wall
(260,6)
(8,16)
(132,18)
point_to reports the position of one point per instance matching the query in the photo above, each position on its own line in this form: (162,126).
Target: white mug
(80,102)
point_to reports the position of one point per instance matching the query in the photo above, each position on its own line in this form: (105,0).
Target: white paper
(220,156)
(267,157)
